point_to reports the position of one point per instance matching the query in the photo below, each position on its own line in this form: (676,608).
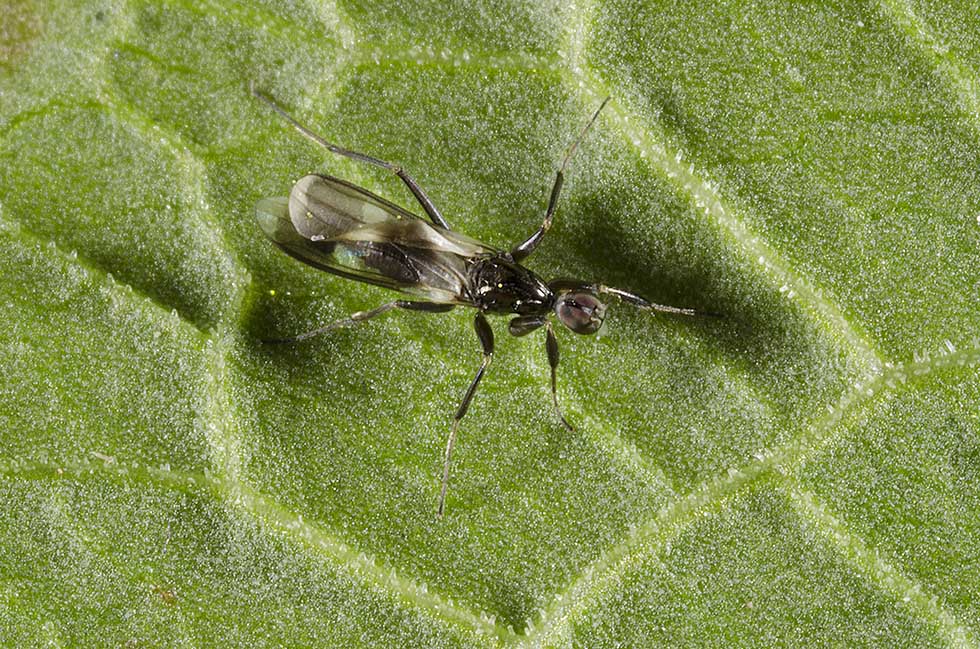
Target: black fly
(343,229)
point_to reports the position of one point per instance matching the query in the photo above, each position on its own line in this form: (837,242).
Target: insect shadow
(336,226)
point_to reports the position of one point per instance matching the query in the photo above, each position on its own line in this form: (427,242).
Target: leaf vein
(713,493)
(128,292)
(868,561)
(239,496)
(944,60)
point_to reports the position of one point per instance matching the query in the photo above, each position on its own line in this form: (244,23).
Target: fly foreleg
(528,246)
(551,344)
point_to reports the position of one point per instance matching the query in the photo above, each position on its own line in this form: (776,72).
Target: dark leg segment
(361,316)
(551,343)
(485,334)
(526,248)
(525,324)
(417,191)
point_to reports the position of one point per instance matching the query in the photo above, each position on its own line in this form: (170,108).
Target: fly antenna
(646,305)
(581,136)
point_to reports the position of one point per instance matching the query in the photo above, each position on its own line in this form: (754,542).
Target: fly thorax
(500,285)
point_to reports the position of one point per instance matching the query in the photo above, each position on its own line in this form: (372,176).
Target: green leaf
(803,471)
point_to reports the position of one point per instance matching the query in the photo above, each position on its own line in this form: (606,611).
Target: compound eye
(581,312)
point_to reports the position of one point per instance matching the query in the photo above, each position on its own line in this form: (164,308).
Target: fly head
(578,307)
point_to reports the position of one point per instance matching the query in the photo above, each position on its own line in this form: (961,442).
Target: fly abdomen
(386,259)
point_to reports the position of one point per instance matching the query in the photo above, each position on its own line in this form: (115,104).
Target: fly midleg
(485,334)
(417,192)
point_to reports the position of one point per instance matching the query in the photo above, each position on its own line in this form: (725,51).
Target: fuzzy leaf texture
(804,471)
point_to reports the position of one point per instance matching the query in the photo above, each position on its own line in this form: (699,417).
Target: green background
(803,472)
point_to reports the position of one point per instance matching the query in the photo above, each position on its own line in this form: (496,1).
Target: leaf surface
(802,471)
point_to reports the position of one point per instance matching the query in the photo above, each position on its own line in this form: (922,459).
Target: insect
(346,230)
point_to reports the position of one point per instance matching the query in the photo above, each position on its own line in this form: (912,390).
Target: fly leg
(417,192)
(361,316)
(485,334)
(551,344)
(526,248)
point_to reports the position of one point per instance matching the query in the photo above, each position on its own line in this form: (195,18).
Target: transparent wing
(340,228)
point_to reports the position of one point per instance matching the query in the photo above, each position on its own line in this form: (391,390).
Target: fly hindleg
(361,316)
